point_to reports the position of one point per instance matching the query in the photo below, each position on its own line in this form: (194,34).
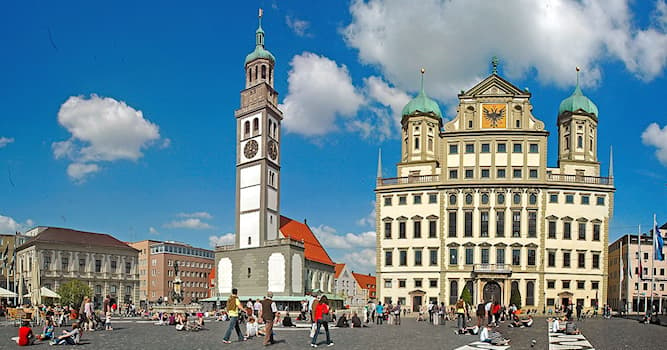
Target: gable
(494,86)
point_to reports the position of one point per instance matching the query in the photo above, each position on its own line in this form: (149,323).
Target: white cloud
(454,40)
(298,26)
(362,261)
(10,226)
(102,129)
(198,214)
(4,141)
(191,223)
(226,239)
(319,92)
(368,220)
(152,230)
(330,239)
(657,137)
(79,171)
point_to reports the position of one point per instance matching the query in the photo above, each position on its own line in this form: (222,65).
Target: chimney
(305,221)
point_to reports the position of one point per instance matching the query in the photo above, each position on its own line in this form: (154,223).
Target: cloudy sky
(119,118)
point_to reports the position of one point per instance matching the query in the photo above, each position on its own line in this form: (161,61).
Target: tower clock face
(250,149)
(273,149)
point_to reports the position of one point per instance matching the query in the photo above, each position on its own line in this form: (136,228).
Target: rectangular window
(451,230)
(417,227)
(502,148)
(600,200)
(453,256)
(402,200)
(486,148)
(453,174)
(401,229)
(532,223)
(432,229)
(468,224)
(417,199)
(469,256)
(550,301)
(46,262)
(485,255)
(114,265)
(403,258)
(595,285)
(500,256)
(551,284)
(485,173)
(98,265)
(82,265)
(566,259)
(387,201)
(469,173)
(569,198)
(387,283)
(516,173)
(516,223)
(433,283)
(532,173)
(534,148)
(567,230)
(553,198)
(388,258)
(64,264)
(552,229)
(581,260)
(596,261)
(582,231)
(585,200)
(500,223)
(516,148)
(470,148)
(516,257)
(484,224)
(432,198)
(596,232)
(418,283)
(566,284)
(501,173)
(401,283)
(551,259)
(128,267)
(433,257)
(387,230)
(453,149)
(531,257)
(418,257)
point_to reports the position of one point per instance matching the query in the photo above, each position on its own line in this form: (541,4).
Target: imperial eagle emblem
(494,115)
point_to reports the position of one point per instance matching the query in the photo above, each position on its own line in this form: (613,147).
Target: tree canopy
(73,291)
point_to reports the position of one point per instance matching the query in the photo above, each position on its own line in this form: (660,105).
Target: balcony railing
(492,268)
(591,180)
(275,242)
(417,179)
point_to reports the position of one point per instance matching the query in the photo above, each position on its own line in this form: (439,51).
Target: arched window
(249,272)
(468,198)
(255,124)
(515,289)
(533,198)
(249,240)
(580,141)
(530,293)
(485,198)
(430,144)
(452,199)
(567,142)
(453,292)
(270,74)
(270,127)
(517,198)
(501,198)
(416,143)
(263,71)
(518,123)
(249,75)
(246,128)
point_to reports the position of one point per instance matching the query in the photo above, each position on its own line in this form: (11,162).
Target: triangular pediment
(493,86)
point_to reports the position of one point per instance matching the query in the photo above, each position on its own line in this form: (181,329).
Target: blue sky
(162,82)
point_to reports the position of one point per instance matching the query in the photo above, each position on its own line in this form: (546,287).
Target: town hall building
(474,204)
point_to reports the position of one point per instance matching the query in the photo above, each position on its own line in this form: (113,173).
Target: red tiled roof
(69,236)
(364,281)
(313,250)
(339,269)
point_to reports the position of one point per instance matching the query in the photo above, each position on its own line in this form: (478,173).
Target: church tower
(258,150)
(577,135)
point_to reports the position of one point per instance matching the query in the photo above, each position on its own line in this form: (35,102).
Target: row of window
(645,286)
(416,199)
(185,263)
(484,198)
(584,199)
(582,229)
(417,255)
(416,229)
(417,282)
(162,248)
(567,259)
(65,265)
(501,173)
(501,147)
(566,284)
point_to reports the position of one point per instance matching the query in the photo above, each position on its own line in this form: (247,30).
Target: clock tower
(258,150)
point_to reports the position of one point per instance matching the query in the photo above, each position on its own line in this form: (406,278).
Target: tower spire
(259,34)
(421,88)
(611,162)
(577,89)
(379,175)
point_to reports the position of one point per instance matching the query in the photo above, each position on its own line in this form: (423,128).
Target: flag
(641,270)
(5,256)
(620,270)
(629,264)
(658,243)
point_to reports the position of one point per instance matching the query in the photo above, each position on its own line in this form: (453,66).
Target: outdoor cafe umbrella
(4,293)
(45,293)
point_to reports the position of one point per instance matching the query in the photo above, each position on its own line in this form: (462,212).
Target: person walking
(379,310)
(90,314)
(269,312)
(460,314)
(322,317)
(579,308)
(311,309)
(233,307)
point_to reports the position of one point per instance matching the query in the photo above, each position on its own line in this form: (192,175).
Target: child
(252,328)
(47,332)
(107,322)
(72,337)
(25,335)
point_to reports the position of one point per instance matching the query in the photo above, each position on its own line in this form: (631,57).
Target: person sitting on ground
(528,322)
(47,332)
(356,321)
(25,337)
(251,328)
(287,321)
(172,319)
(493,338)
(473,330)
(72,337)
(515,321)
(571,328)
(342,322)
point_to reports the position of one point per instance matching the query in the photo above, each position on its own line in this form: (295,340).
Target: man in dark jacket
(269,311)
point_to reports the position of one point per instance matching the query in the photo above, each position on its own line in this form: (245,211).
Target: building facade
(346,286)
(156,270)
(53,256)
(367,285)
(271,252)
(474,204)
(626,253)
(8,244)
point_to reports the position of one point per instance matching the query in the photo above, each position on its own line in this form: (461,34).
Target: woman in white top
(252,328)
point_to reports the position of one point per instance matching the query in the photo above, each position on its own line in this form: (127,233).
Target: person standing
(322,317)
(257,308)
(460,314)
(579,307)
(233,307)
(379,310)
(312,306)
(269,311)
(106,304)
(90,314)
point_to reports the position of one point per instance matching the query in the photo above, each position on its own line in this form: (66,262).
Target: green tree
(466,296)
(73,291)
(515,298)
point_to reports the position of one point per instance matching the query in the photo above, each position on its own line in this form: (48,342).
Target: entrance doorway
(492,292)
(416,302)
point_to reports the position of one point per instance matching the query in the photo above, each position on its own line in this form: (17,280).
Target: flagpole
(628,298)
(639,262)
(654,245)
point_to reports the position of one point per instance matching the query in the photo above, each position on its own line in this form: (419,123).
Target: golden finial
(423,70)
